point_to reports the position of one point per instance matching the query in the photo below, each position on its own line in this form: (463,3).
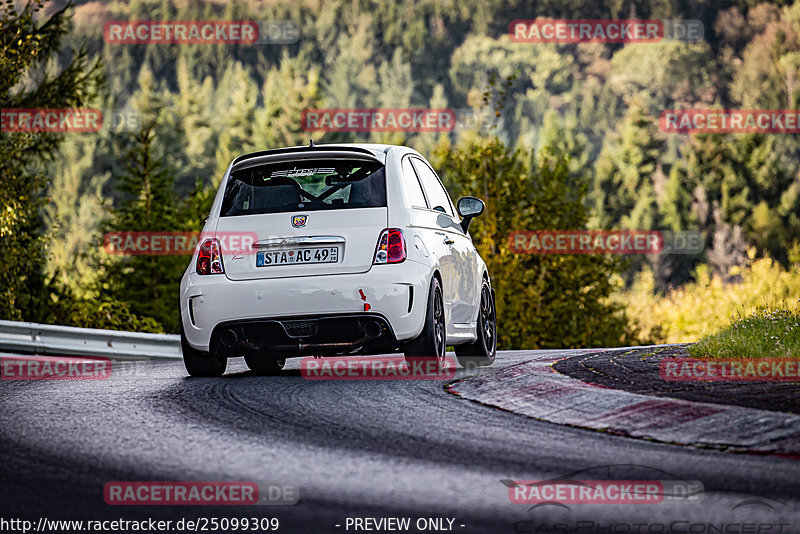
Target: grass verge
(763,334)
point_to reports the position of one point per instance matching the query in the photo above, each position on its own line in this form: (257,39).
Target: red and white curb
(533,388)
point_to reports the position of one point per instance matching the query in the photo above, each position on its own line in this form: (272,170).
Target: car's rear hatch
(308,215)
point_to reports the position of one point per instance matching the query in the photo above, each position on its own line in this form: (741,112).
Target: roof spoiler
(303,150)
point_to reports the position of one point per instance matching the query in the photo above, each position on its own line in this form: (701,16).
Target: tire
(199,363)
(264,366)
(432,341)
(482,352)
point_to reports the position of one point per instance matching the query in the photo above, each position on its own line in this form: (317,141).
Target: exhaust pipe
(373,330)
(228,338)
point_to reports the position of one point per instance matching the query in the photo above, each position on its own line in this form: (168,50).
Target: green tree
(147,284)
(767,72)
(739,181)
(30,79)
(235,102)
(563,139)
(74,215)
(665,75)
(395,90)
(192,151)
(543,301)
(287,91)
(624,190)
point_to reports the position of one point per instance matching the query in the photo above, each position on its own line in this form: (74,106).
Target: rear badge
(299,221)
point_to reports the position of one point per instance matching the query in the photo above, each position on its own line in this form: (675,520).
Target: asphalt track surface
(355,449)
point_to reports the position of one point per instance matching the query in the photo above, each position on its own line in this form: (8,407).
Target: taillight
(391,247)
(209,258)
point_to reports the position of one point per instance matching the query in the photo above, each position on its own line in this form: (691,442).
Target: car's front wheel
(482,352)
(264,365)
(199,363)
(431,342)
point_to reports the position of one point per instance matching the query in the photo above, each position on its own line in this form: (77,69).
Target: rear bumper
(392,294)
(298,336)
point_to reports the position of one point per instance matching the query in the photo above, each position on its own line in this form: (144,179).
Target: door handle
(448,241)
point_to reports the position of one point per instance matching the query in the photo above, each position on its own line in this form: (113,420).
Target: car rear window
(309,185)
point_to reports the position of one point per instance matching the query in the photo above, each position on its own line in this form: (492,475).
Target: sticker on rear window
(303,172)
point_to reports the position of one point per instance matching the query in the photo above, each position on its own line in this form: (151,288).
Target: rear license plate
(268,258)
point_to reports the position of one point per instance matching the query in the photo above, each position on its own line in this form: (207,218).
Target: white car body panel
(435,243)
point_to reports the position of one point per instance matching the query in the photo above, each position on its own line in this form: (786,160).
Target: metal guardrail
(45,339)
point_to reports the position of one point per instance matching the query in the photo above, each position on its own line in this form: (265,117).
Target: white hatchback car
(354,249)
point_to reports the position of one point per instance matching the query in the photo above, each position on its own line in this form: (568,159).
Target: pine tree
(395,89)
(194,128)
(147,284)
(743,184)
(627,173)
(74,215)
(562,138)
(287,91)
(30,42)
(235,103)
(624,192)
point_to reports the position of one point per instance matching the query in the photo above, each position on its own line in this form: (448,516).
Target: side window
(437,196)
(411,185)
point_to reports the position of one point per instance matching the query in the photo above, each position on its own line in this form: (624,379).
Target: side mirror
(469,208)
